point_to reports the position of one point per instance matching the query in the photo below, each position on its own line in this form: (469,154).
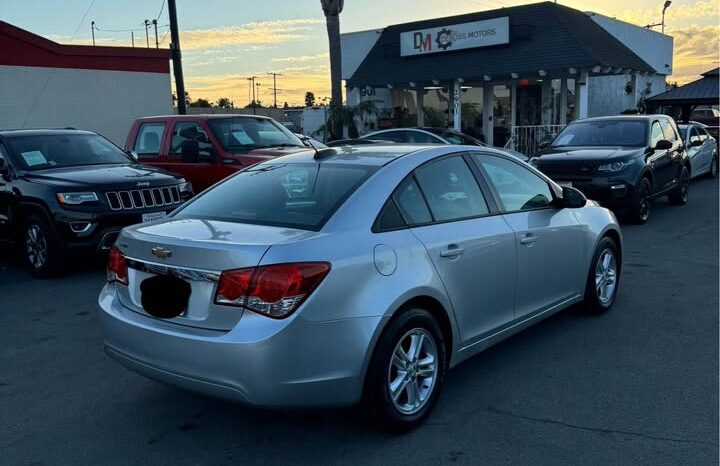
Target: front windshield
(625,133)
(245,134)
(40,152)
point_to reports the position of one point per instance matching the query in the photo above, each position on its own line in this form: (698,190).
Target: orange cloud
(258,33)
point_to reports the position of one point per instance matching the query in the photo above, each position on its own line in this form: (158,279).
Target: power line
(162,7)
(117,30)
(164,36)
(82,20)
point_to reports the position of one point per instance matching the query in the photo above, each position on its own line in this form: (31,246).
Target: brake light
(271,290)
(117,270)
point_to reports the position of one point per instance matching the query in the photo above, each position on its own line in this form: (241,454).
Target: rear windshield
(40,152)
(626,133)
(300,196)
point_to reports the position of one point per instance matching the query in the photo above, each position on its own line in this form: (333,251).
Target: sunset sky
(225,41)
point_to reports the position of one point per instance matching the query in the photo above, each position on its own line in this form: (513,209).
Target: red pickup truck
(207,148)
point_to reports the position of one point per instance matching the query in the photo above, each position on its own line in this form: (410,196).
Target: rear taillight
(271,290)
(117,270)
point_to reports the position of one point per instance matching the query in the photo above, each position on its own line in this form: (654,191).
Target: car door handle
(528,239)
(452,251)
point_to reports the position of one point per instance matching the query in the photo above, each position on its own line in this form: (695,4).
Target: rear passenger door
(472,248)
(548,238)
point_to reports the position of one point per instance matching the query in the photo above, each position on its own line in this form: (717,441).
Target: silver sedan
(354,274)
(702,150)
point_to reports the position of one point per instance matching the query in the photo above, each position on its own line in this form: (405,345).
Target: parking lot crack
(597,429)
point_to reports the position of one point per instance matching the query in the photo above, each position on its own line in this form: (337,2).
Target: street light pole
(665,7)
(275,75)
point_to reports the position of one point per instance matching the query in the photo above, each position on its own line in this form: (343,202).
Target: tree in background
(200,103)
(224,102)
(332,10)
(309,99)
(285,105)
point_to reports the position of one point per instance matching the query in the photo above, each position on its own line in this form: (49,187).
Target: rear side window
(148,139)
(390,218)
(422,138)
(302,196)
(411,202)
(451,190)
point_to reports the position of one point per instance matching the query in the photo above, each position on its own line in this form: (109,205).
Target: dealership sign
(456,37)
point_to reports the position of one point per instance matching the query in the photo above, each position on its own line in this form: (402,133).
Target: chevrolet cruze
(353,274)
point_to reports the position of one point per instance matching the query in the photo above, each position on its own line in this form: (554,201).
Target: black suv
(64,191)
(622,162)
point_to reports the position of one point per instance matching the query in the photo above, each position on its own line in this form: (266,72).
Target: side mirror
(543,144)
(696,143)
(132,154)
(663,144)
(573,198)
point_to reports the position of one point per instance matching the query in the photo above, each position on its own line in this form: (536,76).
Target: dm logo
(444,39)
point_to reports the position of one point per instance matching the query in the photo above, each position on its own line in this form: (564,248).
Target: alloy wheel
(606,276)
(645,204)
(413,371)
(36,247)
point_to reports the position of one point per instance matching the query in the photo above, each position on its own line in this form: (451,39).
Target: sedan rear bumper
(261,362)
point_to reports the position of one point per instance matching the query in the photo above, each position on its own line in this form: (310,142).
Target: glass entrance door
(502,114)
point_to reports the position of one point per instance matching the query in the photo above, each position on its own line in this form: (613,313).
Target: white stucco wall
(355,46)
(654,48)
(106,102)
(606,94)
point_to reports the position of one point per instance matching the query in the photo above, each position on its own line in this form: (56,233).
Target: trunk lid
(195,251)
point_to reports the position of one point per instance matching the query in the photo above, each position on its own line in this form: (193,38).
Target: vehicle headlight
(76,198)
(614,167)
(185,187)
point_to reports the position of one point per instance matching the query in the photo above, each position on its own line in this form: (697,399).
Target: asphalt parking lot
(638,386)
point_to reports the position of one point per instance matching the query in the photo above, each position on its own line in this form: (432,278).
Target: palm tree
(332,10)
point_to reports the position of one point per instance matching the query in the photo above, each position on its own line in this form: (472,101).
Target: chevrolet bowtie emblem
(161,252)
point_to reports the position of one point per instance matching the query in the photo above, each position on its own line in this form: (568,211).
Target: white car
(702,149)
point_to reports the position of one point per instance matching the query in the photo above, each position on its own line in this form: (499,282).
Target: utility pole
(275,75)
(132,37)
(251,82)
(157,44)
(176,58)
(147,37)
(92,29)
(257,95)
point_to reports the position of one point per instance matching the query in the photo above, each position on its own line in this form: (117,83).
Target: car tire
(417,379)
(712,173)
(679,194)
(600,293)
(42,250)
(641,203)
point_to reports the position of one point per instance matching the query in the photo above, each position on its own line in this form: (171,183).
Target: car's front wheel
(679,194)
(639,210)
(407,371)
(604,278)
(43,251)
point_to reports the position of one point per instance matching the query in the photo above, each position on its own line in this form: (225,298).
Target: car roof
(41,132)
(622,117)
(692,123)
(369,154)
(208,116)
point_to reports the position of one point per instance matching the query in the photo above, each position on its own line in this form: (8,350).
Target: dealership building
(509,76)
(44,84)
